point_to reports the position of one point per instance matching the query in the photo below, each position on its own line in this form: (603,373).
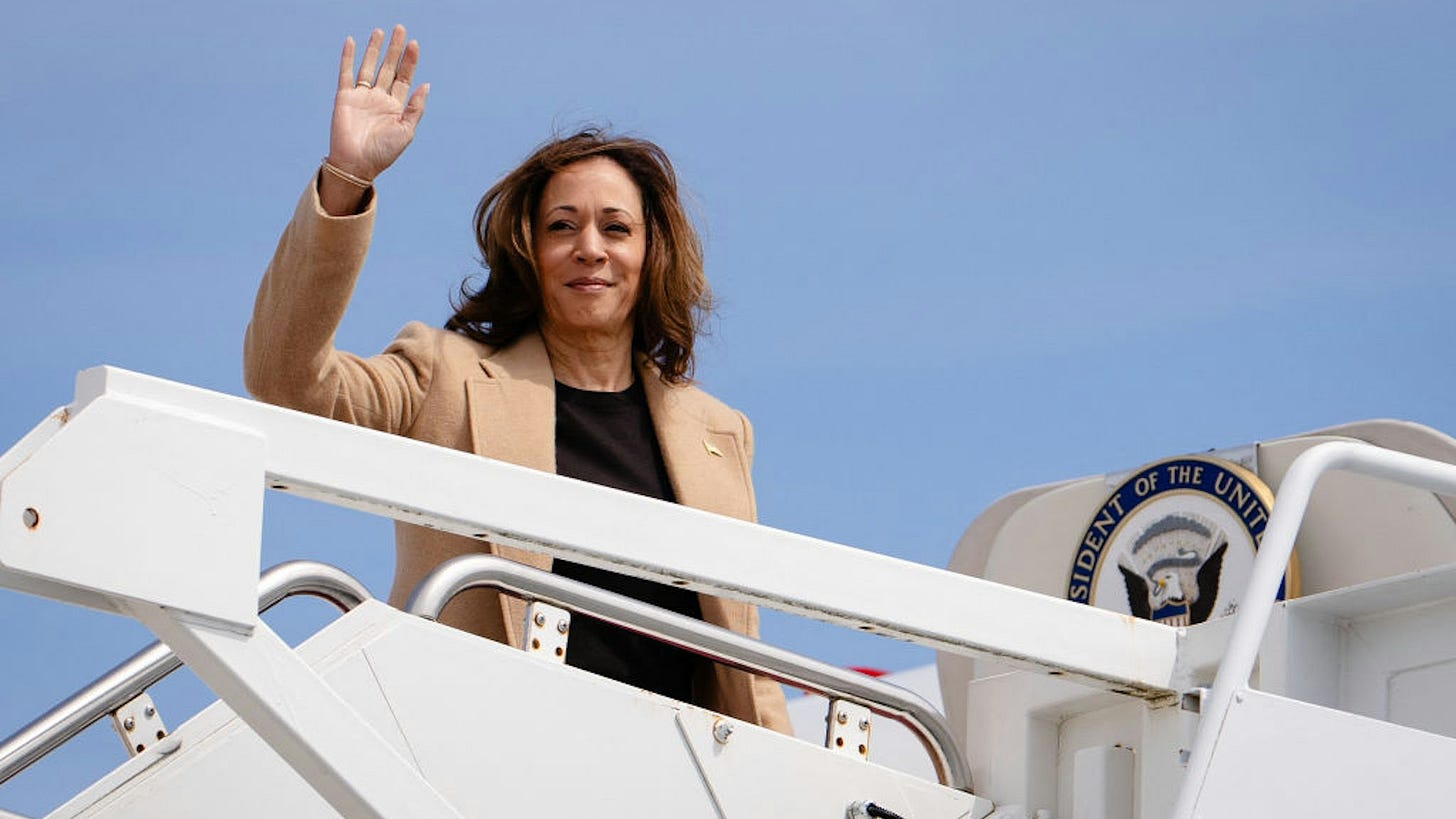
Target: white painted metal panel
(499,732)
(220,754)
(1013,733)
(1385,649)
(1284,759)
(304,720)
(1024,732)
(751,775)
(1102,783)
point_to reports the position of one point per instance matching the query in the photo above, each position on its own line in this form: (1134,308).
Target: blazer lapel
(705,465)
(708,470)
(513,419)
(513,408)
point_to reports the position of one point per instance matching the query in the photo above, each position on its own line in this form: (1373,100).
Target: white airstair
(145,498)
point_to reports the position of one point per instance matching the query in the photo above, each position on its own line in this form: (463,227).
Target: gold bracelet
(358,182)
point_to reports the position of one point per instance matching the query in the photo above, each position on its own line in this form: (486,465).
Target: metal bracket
(547,629)
(138,724)
(1192,700)
(849,729)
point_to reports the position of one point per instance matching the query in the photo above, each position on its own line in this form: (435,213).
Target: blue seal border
(1238,489)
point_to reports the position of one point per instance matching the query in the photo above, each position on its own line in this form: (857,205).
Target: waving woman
(574,357)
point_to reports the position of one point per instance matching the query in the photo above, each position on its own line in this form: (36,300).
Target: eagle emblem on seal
(1173,569)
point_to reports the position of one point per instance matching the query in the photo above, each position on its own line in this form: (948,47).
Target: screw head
(864,725)
(30,517)
(842,718)
(540,619)
(128,723)
(721,732)
(562,626)
(149,711)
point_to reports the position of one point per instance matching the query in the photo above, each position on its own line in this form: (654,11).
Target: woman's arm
(288,353)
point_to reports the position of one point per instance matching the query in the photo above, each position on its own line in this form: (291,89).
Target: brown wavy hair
(673,302)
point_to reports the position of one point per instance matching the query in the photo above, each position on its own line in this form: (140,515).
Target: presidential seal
(1182,535)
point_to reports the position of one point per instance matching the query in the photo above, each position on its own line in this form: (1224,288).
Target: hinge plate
(139,724)
(546,632)
(849,729)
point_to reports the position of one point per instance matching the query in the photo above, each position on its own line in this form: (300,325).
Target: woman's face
(590,242)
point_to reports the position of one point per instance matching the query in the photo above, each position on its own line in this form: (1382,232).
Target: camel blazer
(446,389)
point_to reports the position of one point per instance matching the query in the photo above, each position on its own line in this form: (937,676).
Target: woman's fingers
(416,107)
(369,66)
(399,89)
(346,65)
(387,68)
(375,113)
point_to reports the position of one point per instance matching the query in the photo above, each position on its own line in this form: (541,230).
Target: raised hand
(375,113)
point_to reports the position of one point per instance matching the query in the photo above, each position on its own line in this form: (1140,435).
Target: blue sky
(960,248)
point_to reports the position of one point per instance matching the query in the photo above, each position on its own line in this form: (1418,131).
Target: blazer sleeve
(288,351)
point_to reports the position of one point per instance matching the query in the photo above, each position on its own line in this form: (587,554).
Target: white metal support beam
(382,474)
(132,500)
(156,511)
(318,734)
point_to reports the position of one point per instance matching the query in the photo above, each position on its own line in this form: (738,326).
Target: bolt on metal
(722,731)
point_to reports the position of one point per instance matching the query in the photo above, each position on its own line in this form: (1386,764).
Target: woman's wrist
(334,169)
(340,192)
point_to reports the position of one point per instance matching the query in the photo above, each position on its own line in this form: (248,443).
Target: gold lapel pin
(712,450)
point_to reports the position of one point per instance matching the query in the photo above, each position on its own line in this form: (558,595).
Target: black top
(607,438)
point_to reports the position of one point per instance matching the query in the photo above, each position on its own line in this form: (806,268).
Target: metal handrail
(1260,595)
(718,644)
(143,669)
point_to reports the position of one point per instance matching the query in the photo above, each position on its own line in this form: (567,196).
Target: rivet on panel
(722,731)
